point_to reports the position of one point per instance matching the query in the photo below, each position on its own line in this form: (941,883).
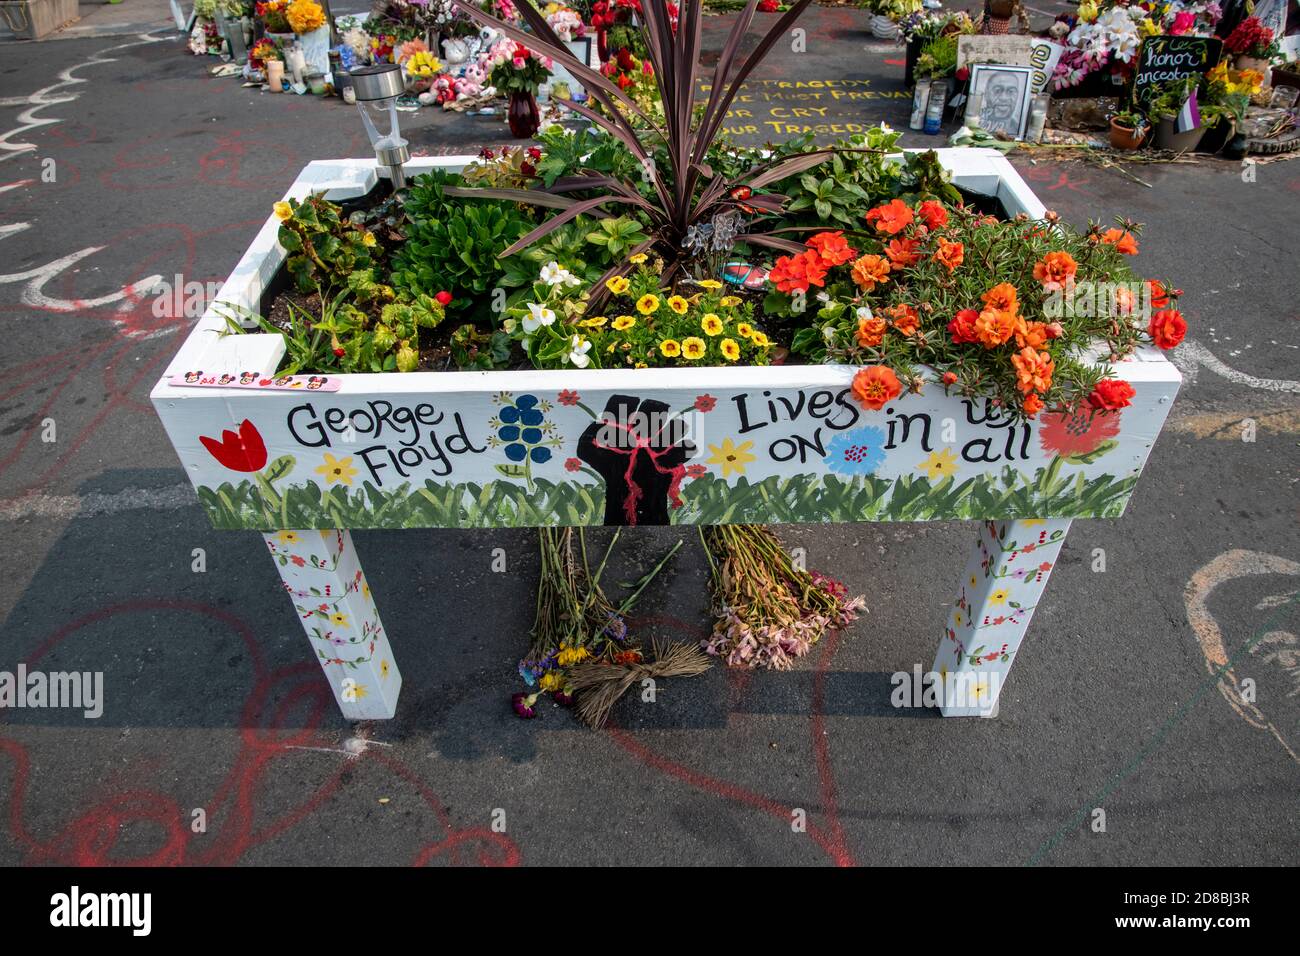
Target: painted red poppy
(239,452)
(1078,432)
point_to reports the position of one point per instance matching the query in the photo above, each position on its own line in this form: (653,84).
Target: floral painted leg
(1004,581)
(321,572)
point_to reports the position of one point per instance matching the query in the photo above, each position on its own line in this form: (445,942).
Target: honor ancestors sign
(1165,59)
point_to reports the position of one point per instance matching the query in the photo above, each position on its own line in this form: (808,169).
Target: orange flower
(904,318)
(892,218)
(1032,404)
(1055,270)
(994,326)
(902,252)
(1167,328)
(1032,335)
(935,216)
(831,248)
(796,273)
(870,271)
(1123,241)
(875,385)
(950,254)
(871,332)
(1124,300)
(1001,297)
(1033,370)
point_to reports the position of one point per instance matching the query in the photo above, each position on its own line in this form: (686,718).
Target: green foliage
(618,237)
(323,248)
(452,245)
(938,58)
(838,192)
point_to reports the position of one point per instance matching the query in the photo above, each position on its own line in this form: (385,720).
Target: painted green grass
(707,500)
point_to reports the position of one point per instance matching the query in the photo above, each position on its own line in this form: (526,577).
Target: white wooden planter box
(529,448)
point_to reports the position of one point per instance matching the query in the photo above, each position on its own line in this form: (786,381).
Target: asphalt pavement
(141,163)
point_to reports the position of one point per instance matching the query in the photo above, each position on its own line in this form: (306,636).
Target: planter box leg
(1004,580)
(321,572)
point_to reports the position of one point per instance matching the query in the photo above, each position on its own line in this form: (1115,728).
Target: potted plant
(1164,108)
(641,323)
(519,71)
(918,29)
(1224,95)
(1253,46)
(1127,130)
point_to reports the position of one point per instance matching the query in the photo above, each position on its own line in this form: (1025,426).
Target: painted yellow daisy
(980,690)
(288,537)
(337,469)
(678,304)
(355,691)
(760,339)
(730,349)
(647,304)
(942,463)
(623,323)
(711,324)
(339,619)
(693,347)
(999,596)
(670,347)
(595,322)
(711,284)
(639,258)
(283,211)
(731,457)
(384,669)
(730,301)
(744,330)
(617,284)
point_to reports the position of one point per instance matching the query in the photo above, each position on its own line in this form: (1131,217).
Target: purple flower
(523,705)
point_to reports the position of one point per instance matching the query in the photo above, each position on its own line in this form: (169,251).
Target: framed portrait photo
(583,50)
(1005,93)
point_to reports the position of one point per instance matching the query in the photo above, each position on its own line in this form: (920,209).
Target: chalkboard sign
(1163,59)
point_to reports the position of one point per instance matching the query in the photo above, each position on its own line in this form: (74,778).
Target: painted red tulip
(243,452)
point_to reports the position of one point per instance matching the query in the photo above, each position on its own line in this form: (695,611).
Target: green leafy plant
(938,58)
(618,236)
(454,246)
(323,247)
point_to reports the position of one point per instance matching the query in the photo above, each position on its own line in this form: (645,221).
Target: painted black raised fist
(639,448)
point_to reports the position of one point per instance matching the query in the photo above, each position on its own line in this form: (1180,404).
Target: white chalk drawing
(1190,356)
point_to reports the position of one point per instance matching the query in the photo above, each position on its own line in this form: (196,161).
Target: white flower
(864,313)
(554,274)
(578,356)
(823,297)
(538,315)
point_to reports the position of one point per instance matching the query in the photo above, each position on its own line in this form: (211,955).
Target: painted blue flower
(859,452)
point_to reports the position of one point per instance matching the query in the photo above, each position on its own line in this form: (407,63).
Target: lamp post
(377,89)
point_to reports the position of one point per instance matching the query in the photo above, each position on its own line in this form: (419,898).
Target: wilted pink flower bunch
(769,612)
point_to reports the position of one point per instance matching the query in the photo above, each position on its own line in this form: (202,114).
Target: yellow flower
(759,338)
(711,284)
(670,348)
(337,469)
(711,324)
(640,365)
(730,349)
(288,537)
(940,464)
(551,680)
(617,284)
(283,211)
(339,619)
(356,691)
(647,304)
(678,304)
(693,347)
(368,239)
(571,655)
(732,457)
(624,322)
(639,258)
(999,596)
(594,322)
(744,330)
(730,301)
(304,16)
